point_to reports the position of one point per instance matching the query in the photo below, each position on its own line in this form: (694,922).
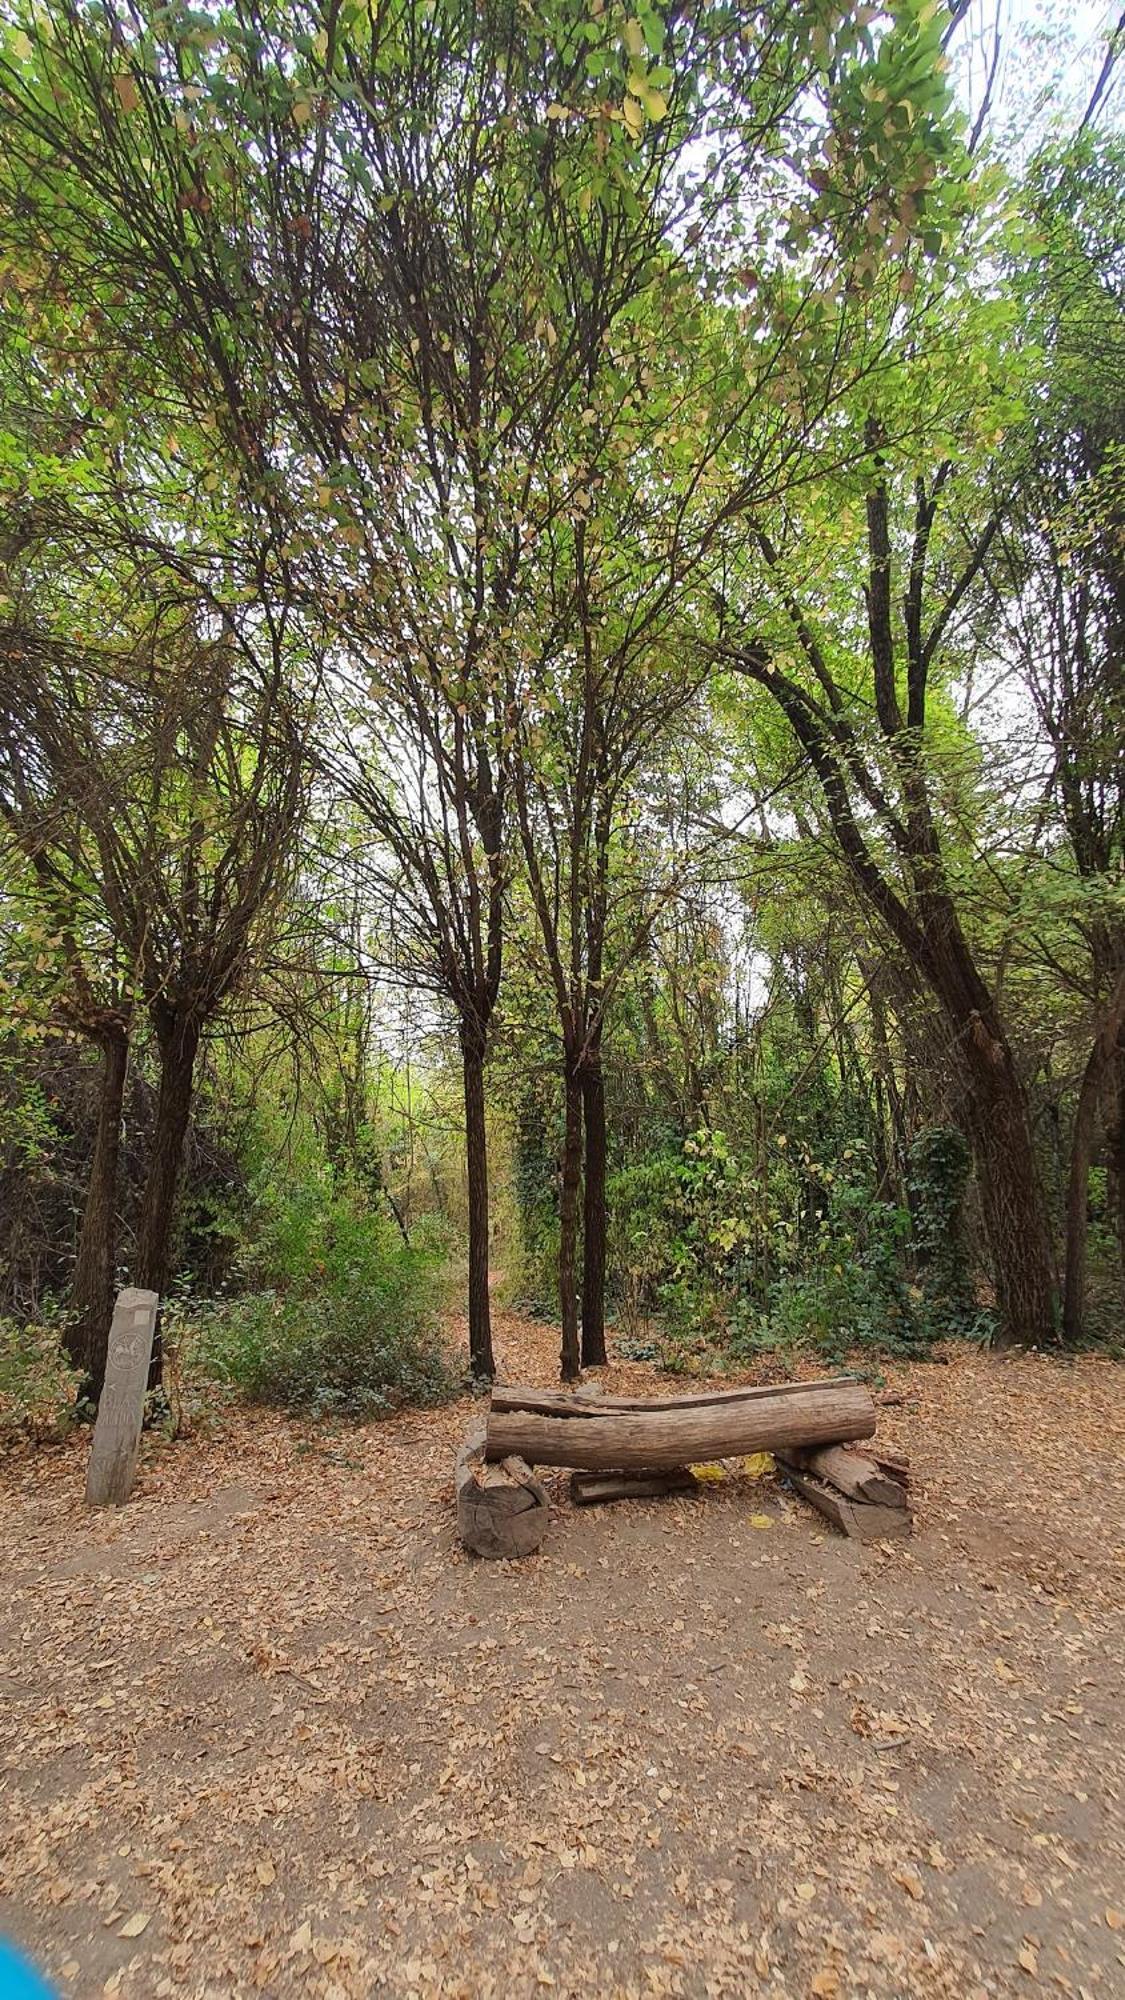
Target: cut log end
(502,1509)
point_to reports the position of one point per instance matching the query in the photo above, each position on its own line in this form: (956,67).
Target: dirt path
(273,1710)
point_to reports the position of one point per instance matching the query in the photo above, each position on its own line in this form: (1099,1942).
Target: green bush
(37,1383)
(338,1316)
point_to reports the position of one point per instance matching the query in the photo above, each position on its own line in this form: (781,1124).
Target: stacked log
(864,1493)
(622,1434)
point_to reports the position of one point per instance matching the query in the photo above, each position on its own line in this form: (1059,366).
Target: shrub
(37,1384)
(339,1316)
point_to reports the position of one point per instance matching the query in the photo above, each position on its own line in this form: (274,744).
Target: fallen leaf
(760,1521)
(910,1880)
(806,1891)
(1114,1919)
(825,1984)
(134,1925)
(266,1873)
(1028,1958)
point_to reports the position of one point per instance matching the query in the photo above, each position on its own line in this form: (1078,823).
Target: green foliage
(939,1168)
(339,1316)
(36,1383)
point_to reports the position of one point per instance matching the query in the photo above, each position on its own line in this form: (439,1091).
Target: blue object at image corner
(18,1979)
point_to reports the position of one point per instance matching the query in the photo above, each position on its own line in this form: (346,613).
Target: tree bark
(1015,1216)
(571,1174)
(1115,1136)
(481,1362)
(1098,1067)
(178,1041)
(593,1211)
(615,1434)
(95,1264)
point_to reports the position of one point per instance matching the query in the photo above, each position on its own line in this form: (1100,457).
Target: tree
(161,786)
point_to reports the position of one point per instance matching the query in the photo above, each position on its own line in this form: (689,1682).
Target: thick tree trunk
(571,1175)
(1015,1215)
(179,1045)
(1098,1068)
(95,1264)
(481,1362)
(593,1212)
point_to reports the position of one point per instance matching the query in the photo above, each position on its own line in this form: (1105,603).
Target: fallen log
(858,1475)
(862,1520)
(619,1434)
(502,1510)
(588,1488)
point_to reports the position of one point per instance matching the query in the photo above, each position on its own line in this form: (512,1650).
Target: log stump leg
(502,1509)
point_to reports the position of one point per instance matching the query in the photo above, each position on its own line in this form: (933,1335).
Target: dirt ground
(270,1730)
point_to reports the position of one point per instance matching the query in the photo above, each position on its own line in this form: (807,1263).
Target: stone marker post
(117,1432)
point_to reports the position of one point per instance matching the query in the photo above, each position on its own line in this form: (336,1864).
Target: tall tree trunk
(95,1264)
(1098,1067)
(593,1210)
(481,1361)
(179,1044)
(571,1360)
(1015,1215)
(1115,1139)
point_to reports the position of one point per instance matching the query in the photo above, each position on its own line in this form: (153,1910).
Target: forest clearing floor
(270,1730)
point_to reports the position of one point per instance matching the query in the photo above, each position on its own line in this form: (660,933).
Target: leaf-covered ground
(270,1730)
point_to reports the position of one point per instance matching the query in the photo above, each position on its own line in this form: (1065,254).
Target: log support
(502,1509)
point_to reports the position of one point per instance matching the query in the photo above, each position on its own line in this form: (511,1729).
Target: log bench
(634,1447)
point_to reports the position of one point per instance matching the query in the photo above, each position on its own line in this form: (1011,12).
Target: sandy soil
(270,1730)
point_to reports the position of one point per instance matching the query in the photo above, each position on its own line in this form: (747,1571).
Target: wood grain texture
(860,1519)
(117,1432)
(502,1509)
(611,1434)
(587,1489)
(856,1474)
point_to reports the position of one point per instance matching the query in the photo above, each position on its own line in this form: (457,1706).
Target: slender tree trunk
(1115,1137)
(179,1045)
(593,1211)
(95,1264)
(571,1360)
(1098,1067)
(481,1361)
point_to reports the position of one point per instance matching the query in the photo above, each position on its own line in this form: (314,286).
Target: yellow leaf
(707,1472)
(633,112)
(134,1925)
(806,1891)
(128,96)
(1029,1959)
(21,47)
(758,1465)
(302,110)
(760,1521)
(634,38)
(556,111)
